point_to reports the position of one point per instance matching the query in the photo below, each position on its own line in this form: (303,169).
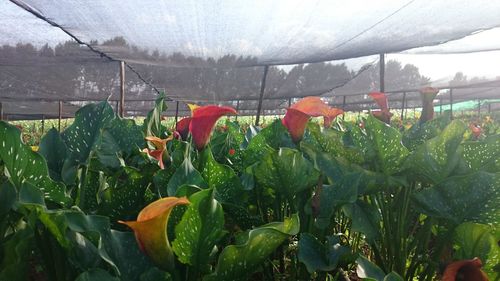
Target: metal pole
(1,111)
(440,106)
(479,108)
(343,107)
(176,111)
(262,88)
(237,109)
(43,124)
(451,103)
(60,116)
(122,88)
(403,106)
(289,102)
(382,72)
(489,108)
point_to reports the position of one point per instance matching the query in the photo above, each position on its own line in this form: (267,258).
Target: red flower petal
(381,99)
(467,270)
(295,121)
(332,113)
(232,151)
(182,127)
(428,94)
(203,121)
(476,131)
(312,106)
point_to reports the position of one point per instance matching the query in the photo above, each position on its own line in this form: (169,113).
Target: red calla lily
(476,130)
(332,114)
(383,114)
(182,127)
(467,270)
(150,230)
(298,114)
(160,148)
(203,121)
(427,94)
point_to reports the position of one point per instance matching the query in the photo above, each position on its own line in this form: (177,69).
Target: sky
(281,30)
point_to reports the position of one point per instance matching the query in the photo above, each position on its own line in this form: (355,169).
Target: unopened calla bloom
(476,130)
(465,270)
(298,114)
(427,94)
(160,148)
(381,99)
(150,230)
(332,114)
(203,122)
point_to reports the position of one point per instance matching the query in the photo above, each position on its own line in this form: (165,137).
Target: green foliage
(152,124)
(319,256)
(53,148)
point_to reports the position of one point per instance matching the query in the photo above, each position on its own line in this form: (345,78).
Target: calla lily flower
(465,270)
(427,94)
(298,114)
(476,130)
(332,114)
(383,114)
(182,127)
(203,122)
(150,230)
(160,148)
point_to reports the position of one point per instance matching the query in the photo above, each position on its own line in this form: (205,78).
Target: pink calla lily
(203,122)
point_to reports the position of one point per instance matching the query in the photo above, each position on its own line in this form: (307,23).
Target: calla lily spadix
(160,148)
(298,115)
(469,270)
(150,230)
(383,114)
(427,94)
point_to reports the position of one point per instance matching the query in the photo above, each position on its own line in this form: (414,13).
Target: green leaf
(82,136)
(53,148)
(23,166)
(365,219)
(199,231)
(17,251)
(474,240)
(236,262)
(286,171)
(318,256)
(8,196)
(421,132)
(393,276)
(471,197)
(271,136)
(152,124)
(367,269)
(482,155)
(96,274)
(434,160)
(185,174)
(221,178)
(385,142)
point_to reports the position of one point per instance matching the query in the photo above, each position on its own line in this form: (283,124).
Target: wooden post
(343,107)
(122,89)
(261,96)
(382,72)
(403,106)
(1,111)
(176,111)
(60,116)
(451,103)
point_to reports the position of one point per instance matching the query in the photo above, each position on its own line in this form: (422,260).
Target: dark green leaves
(369,271)
(199,230)
(185,174)
(286,171)
(53,148)
(270,137)
(482,155)
(236,262)
(365,219)
(318,256)
(152,124)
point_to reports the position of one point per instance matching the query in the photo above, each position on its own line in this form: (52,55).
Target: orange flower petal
(312,106)
(150,230)
(332,114)
(466,269)
(295,121)
(381,99)
(203,121)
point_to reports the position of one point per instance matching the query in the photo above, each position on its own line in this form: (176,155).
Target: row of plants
(107,199)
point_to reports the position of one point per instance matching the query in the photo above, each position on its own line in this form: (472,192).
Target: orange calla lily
(298,114)
(203,121)
(381,99)
(427,94)
(160,148)
(476,130)
(332,114)
(150,230)
(469,270)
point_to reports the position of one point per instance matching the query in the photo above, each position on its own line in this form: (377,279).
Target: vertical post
(451,103)
(1,111)
(237,109)
(60,116)
(176,111)
(343,107)
(382,72)
(478,107)
(122,89)
(261,96)
(489,108)
(403,106)
(441,106)
(43,124)
(289,102)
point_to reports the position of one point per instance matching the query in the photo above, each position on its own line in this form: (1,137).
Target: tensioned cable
(102,54)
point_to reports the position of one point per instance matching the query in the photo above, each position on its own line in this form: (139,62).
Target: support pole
(43,124)
(237,109)
(343,107)
(441,106)
(451,103)
(382,72)
(489,108)
(289,102)
(122,89)
(176,111)
(60,116)
(261,96)
(1,111)
(403,106)
(479,108)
